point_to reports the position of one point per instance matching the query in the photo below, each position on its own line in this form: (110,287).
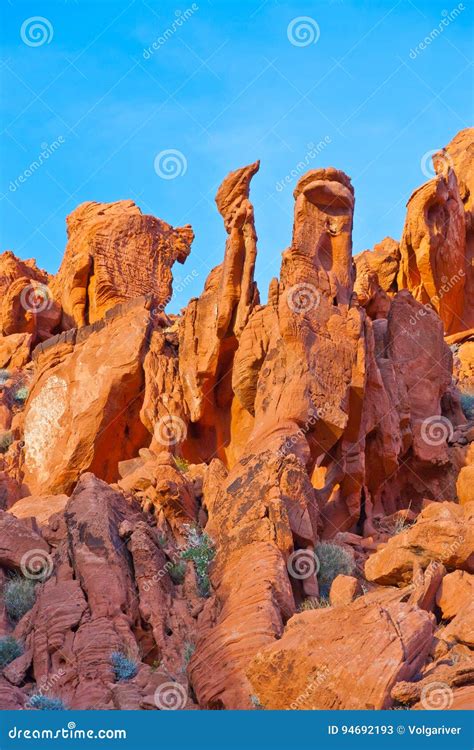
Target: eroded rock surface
(255,505)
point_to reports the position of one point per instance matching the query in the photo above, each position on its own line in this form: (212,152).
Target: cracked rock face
(246,505)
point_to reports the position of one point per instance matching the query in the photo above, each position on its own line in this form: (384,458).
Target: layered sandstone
(259,505)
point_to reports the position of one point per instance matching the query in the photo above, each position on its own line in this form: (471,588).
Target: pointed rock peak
(234,189)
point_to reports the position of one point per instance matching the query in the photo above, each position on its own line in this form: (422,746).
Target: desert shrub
(4,376)
(177,572)
(189,649)
(334,560)
(10,649)
(21,394)
(19,596)
(255,701)
(6,439)
(313,603)
(467,405)
(181,463)
(45,702)
(201,551)
(124,668)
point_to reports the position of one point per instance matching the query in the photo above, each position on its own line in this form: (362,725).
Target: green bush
(124,668)
(333,560)
(19,595)
(201,551)
(6,439)
(177,572)
(45,703)
(4,376)
(189,649)
(21,394)
(181,463)
(467,405)
(10,649)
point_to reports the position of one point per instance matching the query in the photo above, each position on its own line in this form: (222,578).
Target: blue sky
(226,86)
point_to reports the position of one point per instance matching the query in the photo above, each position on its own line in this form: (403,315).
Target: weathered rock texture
(115,253)
(259,505)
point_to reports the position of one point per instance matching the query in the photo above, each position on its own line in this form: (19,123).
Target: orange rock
(443,532)
(85,400)
(344,590)
(328,651)
(15,350)
(465,484)
(213,323)
(459,156)
(28,307)
(40,508)
(433,249)
(114,254)
(455,593)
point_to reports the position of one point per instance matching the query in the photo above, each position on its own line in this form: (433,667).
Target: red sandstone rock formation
(258,505)
(115,253)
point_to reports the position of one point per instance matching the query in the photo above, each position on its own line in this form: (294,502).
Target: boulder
(442,532)
(455,593)
(83,410)
(329,651)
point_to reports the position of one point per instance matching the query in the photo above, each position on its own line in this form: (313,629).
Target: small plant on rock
(255,701)
(467,405)
(10,649)
(333,560)
(181,464)
(6,439)
(45,702)
(124,668)
(21,394)
(19,595)
(189,649)
(201,551)
(177,572)
(313,603)
(4,376)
